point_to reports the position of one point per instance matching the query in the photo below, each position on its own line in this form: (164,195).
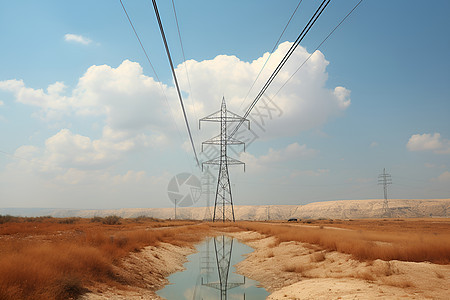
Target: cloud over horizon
(129,111)
(428,142)
(76,38)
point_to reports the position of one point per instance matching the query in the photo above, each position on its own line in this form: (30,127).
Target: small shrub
(111,220)
(68,221)
(96,219)
(69,287)
(7,219)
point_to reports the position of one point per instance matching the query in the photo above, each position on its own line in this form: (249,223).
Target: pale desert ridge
(343,209)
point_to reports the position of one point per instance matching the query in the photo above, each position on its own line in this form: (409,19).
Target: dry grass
(421,242)
(49,258)
(57,258)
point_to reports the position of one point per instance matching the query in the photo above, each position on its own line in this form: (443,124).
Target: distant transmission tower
(223,205)
(385,179)
(207,191)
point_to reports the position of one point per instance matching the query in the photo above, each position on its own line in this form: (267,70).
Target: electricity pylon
(224,247)
(223,205)
(385,179)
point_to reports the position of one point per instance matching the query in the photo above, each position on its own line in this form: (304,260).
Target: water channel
(210,274)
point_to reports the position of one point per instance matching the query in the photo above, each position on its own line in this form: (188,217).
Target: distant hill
(343,209)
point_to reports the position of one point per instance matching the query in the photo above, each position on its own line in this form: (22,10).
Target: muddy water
(210,274)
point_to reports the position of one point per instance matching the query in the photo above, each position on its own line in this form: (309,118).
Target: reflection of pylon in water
(223,246)
(223,205)
(207,191)
(206,263)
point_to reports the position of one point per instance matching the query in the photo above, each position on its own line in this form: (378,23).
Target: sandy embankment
(294,270)
(144,273)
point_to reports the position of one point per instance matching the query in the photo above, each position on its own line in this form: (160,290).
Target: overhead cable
(184,57)
(271,52)
(155,7)
(291,50)
(317,48)
(139,40)
(151,65)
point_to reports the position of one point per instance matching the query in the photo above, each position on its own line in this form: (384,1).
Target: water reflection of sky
(188,284)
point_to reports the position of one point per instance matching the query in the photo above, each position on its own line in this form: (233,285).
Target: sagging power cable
(155,7)
(291,50)
(273,50)
(317,48)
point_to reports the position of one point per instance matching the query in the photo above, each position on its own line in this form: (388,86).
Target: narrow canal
(210,274)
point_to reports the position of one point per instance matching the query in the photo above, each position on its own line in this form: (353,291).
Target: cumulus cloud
(51,102)
(428,142)
(75,38)
(304,103)
(291,153)
(66,150)
(443,178)
(135,111)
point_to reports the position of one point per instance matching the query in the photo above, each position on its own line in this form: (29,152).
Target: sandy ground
(295,270)
(144,273)
(289,270)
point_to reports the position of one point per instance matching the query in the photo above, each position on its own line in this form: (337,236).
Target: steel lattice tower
(223,245)
(223,205)
(385,179)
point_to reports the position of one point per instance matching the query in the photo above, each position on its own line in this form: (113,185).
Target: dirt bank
(294,270)
(144,273)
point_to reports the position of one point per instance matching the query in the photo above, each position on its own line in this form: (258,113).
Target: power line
(273,50)
(324,40)
(184,58)
(139,40)
(191,95)
(153,69)
(155,7)
(302,35)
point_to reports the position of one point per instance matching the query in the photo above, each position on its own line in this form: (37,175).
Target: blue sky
(84,122)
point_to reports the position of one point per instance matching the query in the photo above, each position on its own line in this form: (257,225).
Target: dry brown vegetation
(405,240)
(57,258)
(49,258)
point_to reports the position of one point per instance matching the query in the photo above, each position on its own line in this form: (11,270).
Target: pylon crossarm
(214,117)
(233,161)
(232,141)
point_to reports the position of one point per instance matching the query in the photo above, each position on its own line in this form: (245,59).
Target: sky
(86,123)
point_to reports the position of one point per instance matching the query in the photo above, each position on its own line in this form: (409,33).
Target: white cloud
(133,113)
(429,142)
(77,39)
(67,150)
(291,153)
(50,102)
(443,178)
(132,101)
(304,103)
